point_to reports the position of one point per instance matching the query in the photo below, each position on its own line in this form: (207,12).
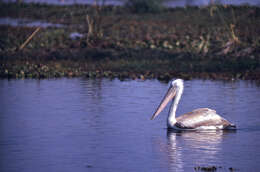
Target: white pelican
(203,118)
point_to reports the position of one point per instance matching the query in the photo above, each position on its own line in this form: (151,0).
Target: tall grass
(94,21)
(230,25)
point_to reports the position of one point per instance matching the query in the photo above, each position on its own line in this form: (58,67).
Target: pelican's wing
(202,117)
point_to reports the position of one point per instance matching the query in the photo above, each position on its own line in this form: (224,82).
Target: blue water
(27,23)
(65,125)
(169,3)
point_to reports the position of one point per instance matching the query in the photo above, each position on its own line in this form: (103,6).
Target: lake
(64,125)
(169,3)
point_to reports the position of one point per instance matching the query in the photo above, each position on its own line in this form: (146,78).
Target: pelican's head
(177,82)
(175,86)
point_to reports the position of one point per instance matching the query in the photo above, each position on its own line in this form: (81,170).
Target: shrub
(144,6)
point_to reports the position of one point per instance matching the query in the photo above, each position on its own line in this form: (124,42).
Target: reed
(94,21)
(29,38)
(229,24)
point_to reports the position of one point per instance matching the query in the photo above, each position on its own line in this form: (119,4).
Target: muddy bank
(215,42)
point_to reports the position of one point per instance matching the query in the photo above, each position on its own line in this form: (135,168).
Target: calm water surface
(81,125)
(169,3)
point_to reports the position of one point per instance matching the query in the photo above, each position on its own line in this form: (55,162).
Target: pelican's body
(198,119)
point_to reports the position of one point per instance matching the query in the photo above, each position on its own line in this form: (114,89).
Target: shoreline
(188,43)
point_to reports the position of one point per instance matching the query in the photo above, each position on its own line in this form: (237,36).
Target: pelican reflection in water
(198,119)
(184,147)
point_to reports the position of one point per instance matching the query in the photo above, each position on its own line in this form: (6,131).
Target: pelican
(198,119)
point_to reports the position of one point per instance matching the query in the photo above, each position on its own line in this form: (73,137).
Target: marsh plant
(230,25)
(94,21)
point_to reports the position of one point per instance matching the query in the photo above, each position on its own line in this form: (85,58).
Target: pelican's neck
(175,102)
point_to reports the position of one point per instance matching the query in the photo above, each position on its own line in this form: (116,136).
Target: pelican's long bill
(168,96)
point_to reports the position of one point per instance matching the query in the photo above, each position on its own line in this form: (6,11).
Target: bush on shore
(144,6)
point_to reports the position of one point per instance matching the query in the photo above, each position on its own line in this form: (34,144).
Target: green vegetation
(218,42)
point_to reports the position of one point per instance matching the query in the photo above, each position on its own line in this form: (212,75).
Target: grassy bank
(213,42)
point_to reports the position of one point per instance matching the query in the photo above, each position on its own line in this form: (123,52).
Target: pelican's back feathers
(203,117)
